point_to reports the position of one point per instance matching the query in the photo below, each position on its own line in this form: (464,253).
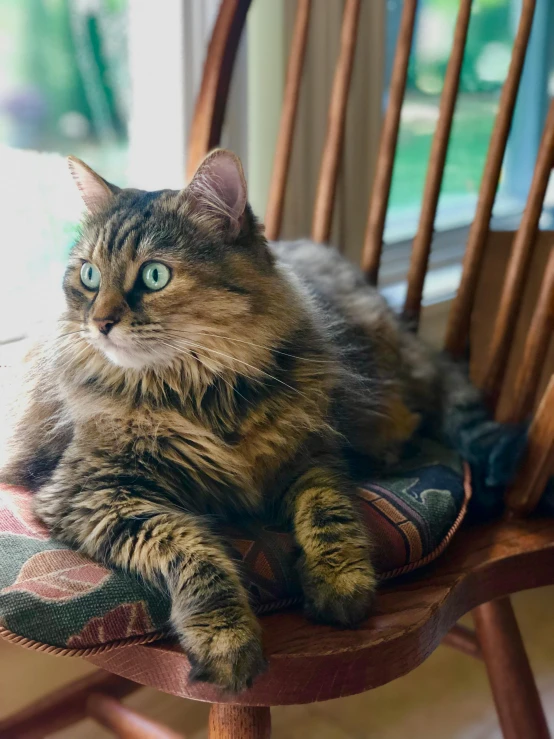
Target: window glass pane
(486,61)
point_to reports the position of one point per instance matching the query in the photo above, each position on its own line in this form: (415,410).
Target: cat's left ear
(97,194)
(218,191)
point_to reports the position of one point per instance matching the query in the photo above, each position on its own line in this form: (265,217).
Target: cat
(199,375)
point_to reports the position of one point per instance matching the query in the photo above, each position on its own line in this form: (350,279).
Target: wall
(269,32)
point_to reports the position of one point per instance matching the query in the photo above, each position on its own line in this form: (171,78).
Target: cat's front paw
(338,594)
(227,655)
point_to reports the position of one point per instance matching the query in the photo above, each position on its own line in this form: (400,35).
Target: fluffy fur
(243,387)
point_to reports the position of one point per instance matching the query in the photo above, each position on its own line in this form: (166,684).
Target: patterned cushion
(55,599)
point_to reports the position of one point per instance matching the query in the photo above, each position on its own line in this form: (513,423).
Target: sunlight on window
(63,90)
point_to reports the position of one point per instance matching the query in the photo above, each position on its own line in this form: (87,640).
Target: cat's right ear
(97,194)
(218,192)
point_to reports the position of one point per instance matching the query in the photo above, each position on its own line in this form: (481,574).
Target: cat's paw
(228,656)
(341,596)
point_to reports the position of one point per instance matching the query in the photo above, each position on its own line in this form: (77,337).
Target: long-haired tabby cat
(200,374)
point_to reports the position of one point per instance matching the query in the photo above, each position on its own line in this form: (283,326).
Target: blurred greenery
(488,48)
(471,132)
(63,89)
(490,27)
(62,79)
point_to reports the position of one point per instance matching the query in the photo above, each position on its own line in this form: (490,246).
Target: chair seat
(309,662)
(54,599)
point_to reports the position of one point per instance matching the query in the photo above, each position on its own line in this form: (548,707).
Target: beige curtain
(269,33)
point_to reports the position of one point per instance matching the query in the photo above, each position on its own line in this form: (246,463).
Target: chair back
(206,134)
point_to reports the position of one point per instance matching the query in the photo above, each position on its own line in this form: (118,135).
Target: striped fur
(240,389)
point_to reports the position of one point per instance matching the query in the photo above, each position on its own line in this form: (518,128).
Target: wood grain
(495,263)
(518,267)
(283,150)
(239,722)
(538,465)
(309,662)
(460,314)
(63,707)
(211,103)
(535,350)
(513,687)
(379,200)
(336,118)
(422,242)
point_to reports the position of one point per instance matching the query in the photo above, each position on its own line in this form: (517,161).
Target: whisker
(69,333)
(225,380)
(251,366)
(69,361)
(252,343)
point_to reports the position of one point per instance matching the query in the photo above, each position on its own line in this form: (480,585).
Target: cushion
(57,600)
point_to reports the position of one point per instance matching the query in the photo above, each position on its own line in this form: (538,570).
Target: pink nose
(105,325)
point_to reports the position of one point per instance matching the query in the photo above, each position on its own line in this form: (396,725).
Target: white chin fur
(130,358)
(126,359)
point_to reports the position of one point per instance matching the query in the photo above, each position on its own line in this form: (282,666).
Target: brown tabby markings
(229,392)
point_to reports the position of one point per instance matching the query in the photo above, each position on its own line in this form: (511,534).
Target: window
(488,50)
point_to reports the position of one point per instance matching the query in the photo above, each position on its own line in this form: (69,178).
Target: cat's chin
(132,360)
(126,360)
(121,351)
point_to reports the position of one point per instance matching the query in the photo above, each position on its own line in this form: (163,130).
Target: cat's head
(155,273)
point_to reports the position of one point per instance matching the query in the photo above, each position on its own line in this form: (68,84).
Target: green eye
(155,275)
(90,276)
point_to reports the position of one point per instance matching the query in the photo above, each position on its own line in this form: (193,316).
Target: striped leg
(135,529)
(335,569)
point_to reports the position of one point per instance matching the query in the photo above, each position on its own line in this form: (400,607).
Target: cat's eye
(90,276)
(155,275)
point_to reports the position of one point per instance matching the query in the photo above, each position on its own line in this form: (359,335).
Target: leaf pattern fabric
(58,574)
(54,596)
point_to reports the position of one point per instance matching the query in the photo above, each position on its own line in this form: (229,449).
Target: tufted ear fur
(97,194)
(218,191)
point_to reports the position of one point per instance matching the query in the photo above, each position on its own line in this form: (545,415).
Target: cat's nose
(105,325)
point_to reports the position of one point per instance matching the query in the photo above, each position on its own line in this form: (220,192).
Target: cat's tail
(492,449)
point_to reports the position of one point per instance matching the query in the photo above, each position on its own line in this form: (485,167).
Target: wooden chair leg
(464,640)
(513,686)
(239,722)
(124,722)
(64,707)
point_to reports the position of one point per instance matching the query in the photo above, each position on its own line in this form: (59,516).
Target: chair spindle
(123,721)
(536,347)
(518,267)
(379,200)
(457,334)
(209,111)
(283,150)
(537,467)
(424,236)
(328,174)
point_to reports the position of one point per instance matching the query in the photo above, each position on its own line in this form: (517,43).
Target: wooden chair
(485,563)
